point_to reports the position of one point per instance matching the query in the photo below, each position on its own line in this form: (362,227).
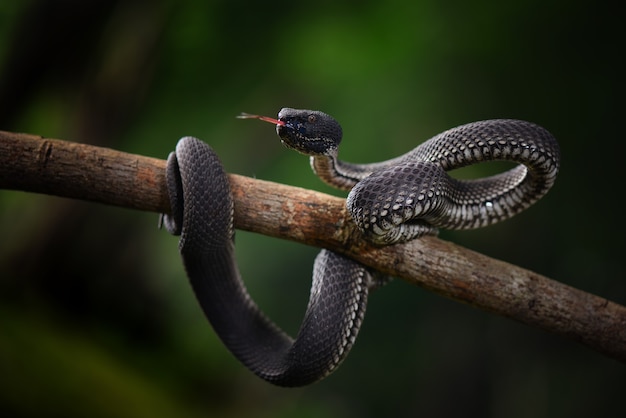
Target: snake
(391,202)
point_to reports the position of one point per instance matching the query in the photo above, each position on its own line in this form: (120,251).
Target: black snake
(391,201)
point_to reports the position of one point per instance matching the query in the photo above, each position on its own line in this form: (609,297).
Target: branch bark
(35,164)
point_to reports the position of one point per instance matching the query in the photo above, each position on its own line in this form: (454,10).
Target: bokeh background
(96,316)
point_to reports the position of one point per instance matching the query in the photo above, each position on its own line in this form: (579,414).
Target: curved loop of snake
(390,201)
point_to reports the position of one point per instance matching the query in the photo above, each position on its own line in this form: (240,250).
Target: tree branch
(79,171)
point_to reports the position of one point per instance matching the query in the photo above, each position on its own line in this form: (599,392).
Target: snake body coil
(202,211)
(390,201)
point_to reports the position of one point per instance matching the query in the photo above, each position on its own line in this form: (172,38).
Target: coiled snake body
(390,201)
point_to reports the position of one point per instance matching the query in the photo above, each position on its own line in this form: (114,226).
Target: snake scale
(391,201)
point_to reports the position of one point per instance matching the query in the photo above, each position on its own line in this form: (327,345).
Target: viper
(390,201)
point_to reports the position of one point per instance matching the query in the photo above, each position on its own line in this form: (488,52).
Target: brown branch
(39,165)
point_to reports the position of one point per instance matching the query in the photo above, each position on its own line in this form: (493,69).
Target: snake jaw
(295,137)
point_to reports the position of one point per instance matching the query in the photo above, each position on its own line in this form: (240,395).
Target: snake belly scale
(390,201)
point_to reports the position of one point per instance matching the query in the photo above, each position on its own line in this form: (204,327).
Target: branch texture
(34,164)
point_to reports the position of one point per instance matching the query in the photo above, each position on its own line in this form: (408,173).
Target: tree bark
(34,164)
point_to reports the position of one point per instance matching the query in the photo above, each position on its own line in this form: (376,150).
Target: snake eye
(312,118)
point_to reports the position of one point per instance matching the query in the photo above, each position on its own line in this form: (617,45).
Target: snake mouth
(289,138)
(284,129)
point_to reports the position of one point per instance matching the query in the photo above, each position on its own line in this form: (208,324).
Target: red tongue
(263,118)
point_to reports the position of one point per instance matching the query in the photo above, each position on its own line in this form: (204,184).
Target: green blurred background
(96,316)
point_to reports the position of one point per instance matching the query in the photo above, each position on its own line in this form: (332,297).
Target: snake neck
(344,175)
(337,173)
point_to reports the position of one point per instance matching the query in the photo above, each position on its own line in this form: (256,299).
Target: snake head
(309,132)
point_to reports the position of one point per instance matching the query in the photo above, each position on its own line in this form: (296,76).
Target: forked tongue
(263,118)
